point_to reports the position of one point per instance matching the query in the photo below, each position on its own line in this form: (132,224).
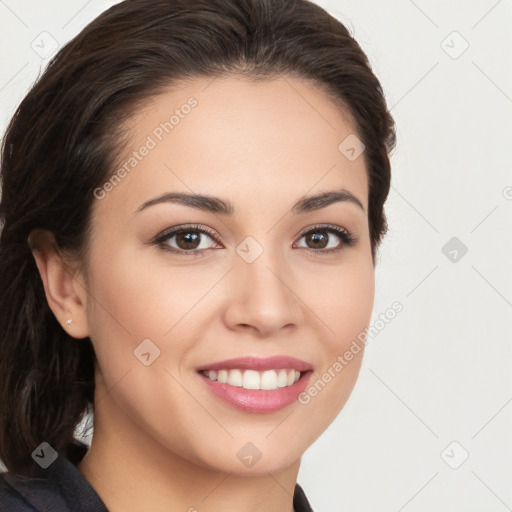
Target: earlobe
(65,295)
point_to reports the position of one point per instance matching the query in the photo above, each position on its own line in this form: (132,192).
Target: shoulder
(10,499)
(300,501)
(59,487)
(31,491)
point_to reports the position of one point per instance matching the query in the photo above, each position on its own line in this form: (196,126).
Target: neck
(131,471)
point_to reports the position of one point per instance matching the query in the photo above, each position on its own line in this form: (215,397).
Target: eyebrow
(217,205)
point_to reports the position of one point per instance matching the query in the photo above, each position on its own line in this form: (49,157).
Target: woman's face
(249,283)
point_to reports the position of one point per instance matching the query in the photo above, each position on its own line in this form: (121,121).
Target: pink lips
(258,400)
(258,364)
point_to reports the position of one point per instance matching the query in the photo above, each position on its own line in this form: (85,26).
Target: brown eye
(187,240)
(327,239)
(317,240)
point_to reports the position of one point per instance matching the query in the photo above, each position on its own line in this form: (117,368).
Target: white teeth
(282,378)
(252,379)
(268,380)
(235,378)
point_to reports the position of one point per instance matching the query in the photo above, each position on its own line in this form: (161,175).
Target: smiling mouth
(253,379)
(256,391)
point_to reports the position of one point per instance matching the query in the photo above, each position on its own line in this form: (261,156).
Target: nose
(261,296)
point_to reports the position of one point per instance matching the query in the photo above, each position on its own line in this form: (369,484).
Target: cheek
(345,310)
(143,296)
(345,302)
(136,297)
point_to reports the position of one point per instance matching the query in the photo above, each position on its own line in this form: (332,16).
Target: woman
(192,205)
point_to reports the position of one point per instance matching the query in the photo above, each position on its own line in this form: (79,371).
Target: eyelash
(348,240)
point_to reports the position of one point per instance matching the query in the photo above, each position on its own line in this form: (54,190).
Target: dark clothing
(61,487)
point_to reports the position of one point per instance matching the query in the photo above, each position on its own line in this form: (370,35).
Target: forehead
(226,136)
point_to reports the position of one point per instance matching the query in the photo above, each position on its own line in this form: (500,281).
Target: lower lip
(257,400)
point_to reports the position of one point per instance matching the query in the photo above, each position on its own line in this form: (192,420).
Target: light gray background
(441,370)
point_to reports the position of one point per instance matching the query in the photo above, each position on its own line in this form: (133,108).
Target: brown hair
(64,139)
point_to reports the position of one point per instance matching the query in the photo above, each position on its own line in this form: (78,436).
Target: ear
(66,296)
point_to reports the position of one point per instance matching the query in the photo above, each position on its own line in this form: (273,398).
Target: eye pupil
(189,239)
(318,236)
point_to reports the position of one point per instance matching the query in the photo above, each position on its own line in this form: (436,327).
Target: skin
(162,441)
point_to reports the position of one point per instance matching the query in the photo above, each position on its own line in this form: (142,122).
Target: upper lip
(256,363)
